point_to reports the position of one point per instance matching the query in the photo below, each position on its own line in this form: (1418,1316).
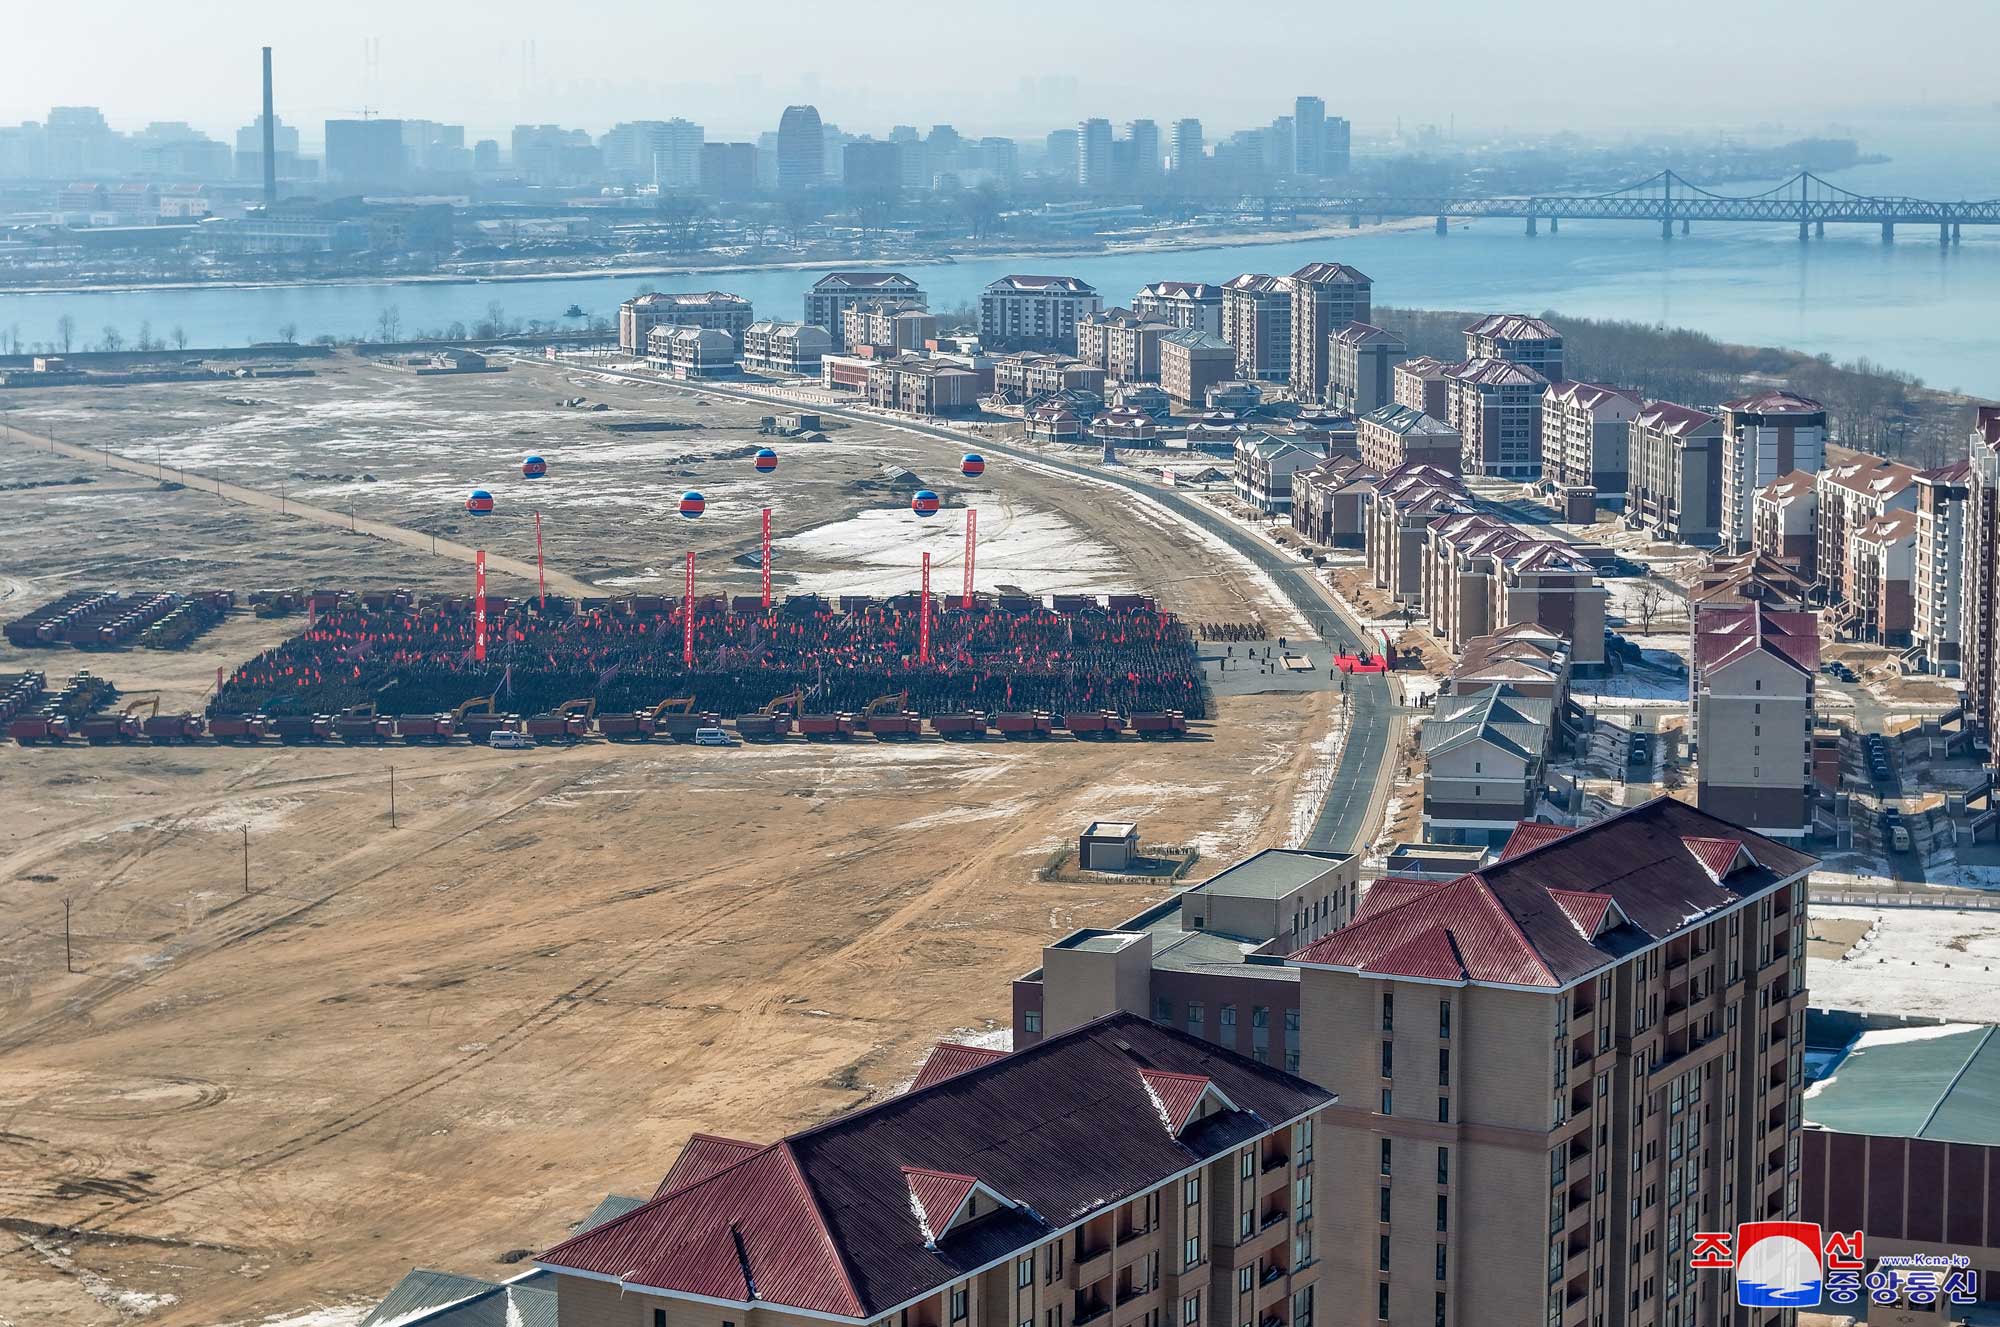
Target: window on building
(1195,1016)
(1382,1302)
(1191,1190)
(1444,1110)
(1191,1252)
(1388,1059)
(1302,1142)
(1191,1309)
(1302,1248)
(1440,1261)
(1387,1102)
(1385,1156)
(958,1303)
(1444,1165)
(1439,1317)
(1444,1067)
(1302,1307)
(1382,1205)
(1388,1011)
(1246,1279)
(1024,1272)
(1163,1010)
(1444,1020)
(1443,1220)
(1302,1198)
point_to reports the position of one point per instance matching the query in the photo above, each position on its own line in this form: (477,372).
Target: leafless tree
(1649,600)
(65,332)
(289,334)
(180,338)
(114,340)
(389,323)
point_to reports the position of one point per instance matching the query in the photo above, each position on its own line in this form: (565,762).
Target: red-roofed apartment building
(1553,1070)
(1325,296)
(1751,720)
(1784,521)
(1121,1164)
(1942,496)
(1407,499)
(1764,437)
(1482,574)
(1674,477)
(1979,588)
(1881,580)
(1851,494)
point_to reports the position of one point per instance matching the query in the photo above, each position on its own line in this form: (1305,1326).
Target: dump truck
(826,727)
(1024,725)
(960,727)
(430,728)
(763,727)
(904,727)
(33,729)
(296,729)
(230,729)
(625,727)
(1166,723)
(568,722)
(1094,725)
(164,729)
(681,727)
(479,727)
(366,728)
(105,729)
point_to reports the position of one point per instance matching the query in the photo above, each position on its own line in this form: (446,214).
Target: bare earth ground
(438,1043)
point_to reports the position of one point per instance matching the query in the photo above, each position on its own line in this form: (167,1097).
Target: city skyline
(384,60)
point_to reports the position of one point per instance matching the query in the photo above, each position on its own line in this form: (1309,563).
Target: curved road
(1346,819)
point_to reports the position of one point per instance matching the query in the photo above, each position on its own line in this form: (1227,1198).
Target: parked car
(711,737)
(505,739)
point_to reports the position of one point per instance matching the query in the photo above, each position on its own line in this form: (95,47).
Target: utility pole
(69,960)
(246,860)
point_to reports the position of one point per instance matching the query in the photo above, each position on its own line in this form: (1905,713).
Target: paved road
(1345,822)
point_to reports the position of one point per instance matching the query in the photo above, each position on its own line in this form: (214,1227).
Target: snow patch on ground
(879,552)
(344,1315)
(1312,788)
(1926,962)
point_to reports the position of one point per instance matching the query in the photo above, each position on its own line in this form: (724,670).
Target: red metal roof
(1677,420)
(1718,855)
(1487,944)
(704,1155)
(1582,907)
(1177,1095)
(1390,890)
(937,1195)
(950,1057)
(1513,327)
(1530,834)
(1432,954)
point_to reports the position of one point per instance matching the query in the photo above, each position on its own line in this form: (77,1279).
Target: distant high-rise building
(549,154)
(486,156)
(362,153)
(801,150)
(943,145)
(1308,135)
(676,155)
(1333,159)
(834,143)
(1281,145)
(1145,136)
(911,157)
(79,142)
(998,158)
(1063,153)
(1187,146)
(871,168)
(1093,153)
(728,170)
(628,149)
(250,150)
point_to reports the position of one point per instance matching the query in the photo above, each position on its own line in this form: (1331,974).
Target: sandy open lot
(444,1041)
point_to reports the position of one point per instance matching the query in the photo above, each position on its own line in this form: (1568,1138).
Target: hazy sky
(1598,65)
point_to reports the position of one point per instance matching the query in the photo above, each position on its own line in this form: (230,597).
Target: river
(1913,305)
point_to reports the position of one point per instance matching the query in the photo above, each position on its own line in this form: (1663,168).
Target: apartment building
(1586,429)
(772,346)
(1485,762)
(1406,500)
(1733,583)
(1035,311)
(1979,609)
(1480,574)
(1784,522)
(1122,342)
(1208,960)
(1027,374)
(1674,472)
(1882,570)
(1397,435)
(1361,364)
(1191,363)
(1265,464)
(1751,719)
(1257,324)
(1496,406)
(1764,438)
(1421,384)
(1191,305)
(1518,339)
(1606,1026)
(833,294)
(637,317)
(1330,501)
(919,386)
(1942,495)
(1121,1163)
(893,327)
(1527,659)
(1325,296)
(692,352)
(1852,493)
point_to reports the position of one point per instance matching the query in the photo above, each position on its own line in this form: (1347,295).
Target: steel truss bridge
(1805,200)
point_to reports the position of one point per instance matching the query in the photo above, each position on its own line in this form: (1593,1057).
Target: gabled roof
(704,1155)
(1423,366)
(1197,291)
(1888,528)
(1259,283)
(1524,920)
(1591,395)
(862,281)
(425,1298)
(1774,402)
(1788,488)
(1677,421)
(1391,890)
(1871,476)
(1361,334)
(1530,834)
(937,1197)
(1725,634)
(1179,1096)
(1407,421)
(823,1220)
(1066,285)
(1491,372)
(1513,327)
(1986,427)
(1327,274)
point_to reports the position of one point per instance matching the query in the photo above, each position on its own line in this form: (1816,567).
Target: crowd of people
(420,661)
(1232,631)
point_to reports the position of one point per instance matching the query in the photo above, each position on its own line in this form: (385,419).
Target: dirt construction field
(440,1043)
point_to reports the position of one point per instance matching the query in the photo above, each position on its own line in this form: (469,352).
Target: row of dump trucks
(369,729)
(100,620)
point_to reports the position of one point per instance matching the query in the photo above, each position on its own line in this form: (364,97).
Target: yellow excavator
(678,705)
(887,717)
(794,701)
(576,716)
(150,704)
(895,703)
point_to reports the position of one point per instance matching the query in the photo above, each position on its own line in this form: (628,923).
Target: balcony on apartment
(1132,1285)
(1583,1049)
(1091,1255)
(1275,1154)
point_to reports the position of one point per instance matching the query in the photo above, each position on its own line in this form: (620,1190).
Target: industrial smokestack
(270,140)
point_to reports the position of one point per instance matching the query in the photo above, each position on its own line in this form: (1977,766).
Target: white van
(711,737)
(506,739)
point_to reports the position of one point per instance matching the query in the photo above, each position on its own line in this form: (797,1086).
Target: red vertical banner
(767,557)
(687,615)
(479,606)
(541,581)
(924,617)
(971,541)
